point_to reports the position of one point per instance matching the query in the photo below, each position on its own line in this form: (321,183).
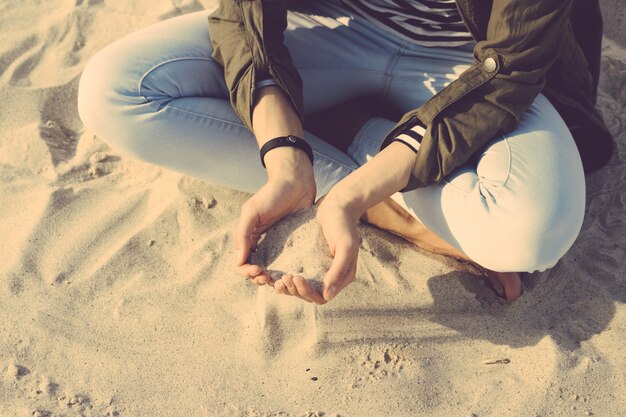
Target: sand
(118,297)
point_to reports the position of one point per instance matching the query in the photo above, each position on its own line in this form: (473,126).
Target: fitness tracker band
(290,140)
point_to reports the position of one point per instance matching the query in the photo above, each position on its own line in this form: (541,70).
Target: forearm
(382,176)
(273,115)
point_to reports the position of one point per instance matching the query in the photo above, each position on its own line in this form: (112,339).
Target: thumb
(243,235)
(342,270)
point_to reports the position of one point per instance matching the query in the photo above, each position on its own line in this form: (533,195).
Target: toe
(507,285)
(512,284)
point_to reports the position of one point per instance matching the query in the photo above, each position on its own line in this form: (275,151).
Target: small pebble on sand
(15,371)
(46,386)
(208,202)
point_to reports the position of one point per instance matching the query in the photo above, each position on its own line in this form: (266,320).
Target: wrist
(291,141)
(382,176)
(348,198)
(288,163)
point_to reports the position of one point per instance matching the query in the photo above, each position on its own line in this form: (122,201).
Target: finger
(249,270)
(306,290)
(279,287)
(244,233)
(264,278)
(288,281)
(342,270)
(254,240)
(259,280)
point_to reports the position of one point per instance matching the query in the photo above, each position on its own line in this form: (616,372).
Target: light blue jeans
(158,96)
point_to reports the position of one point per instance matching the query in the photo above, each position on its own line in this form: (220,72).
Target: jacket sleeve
(247,40)
(522,41)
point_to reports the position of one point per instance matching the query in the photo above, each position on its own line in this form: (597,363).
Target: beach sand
(118,297)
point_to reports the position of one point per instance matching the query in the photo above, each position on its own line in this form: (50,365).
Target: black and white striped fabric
(431,23)
(425,22)
(412,137)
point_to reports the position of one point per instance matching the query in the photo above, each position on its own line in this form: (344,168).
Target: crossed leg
(390,216)
(517,207)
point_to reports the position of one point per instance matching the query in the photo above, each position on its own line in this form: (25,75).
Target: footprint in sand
(15,372)
(56,39)
(15,51)
(61,141)
(250,412)
(379,364)
(40,395)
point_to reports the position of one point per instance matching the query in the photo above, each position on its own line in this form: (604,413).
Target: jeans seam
(242,125)
(197,114)
(391,63)
(508,171)
(154,67)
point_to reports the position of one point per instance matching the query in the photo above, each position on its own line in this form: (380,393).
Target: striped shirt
(425,22)
(431,23)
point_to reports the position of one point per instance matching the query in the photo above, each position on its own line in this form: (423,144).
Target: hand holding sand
(276,199)
(338,214)
(339,225)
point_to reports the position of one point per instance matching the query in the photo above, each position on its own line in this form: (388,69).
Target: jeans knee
(533,254)
(528,247)
(94,82)
(98,92)
(88,94)
(109,103)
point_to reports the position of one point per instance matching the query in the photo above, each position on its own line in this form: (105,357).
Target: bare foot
(507,285)
(389,215)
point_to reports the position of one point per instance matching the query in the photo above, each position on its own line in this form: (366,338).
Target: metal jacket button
(489,64)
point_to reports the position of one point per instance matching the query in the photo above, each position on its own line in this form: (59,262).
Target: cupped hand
(339,225)
(276,199)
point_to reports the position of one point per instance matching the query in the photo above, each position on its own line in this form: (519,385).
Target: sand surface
(117,295)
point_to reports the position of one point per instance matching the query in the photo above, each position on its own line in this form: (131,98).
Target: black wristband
(290,140)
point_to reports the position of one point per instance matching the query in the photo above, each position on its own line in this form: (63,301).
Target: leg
(391,216)
(418,74)
(158,96)
(522,204)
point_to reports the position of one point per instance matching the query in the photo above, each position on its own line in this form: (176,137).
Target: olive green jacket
(523,48)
